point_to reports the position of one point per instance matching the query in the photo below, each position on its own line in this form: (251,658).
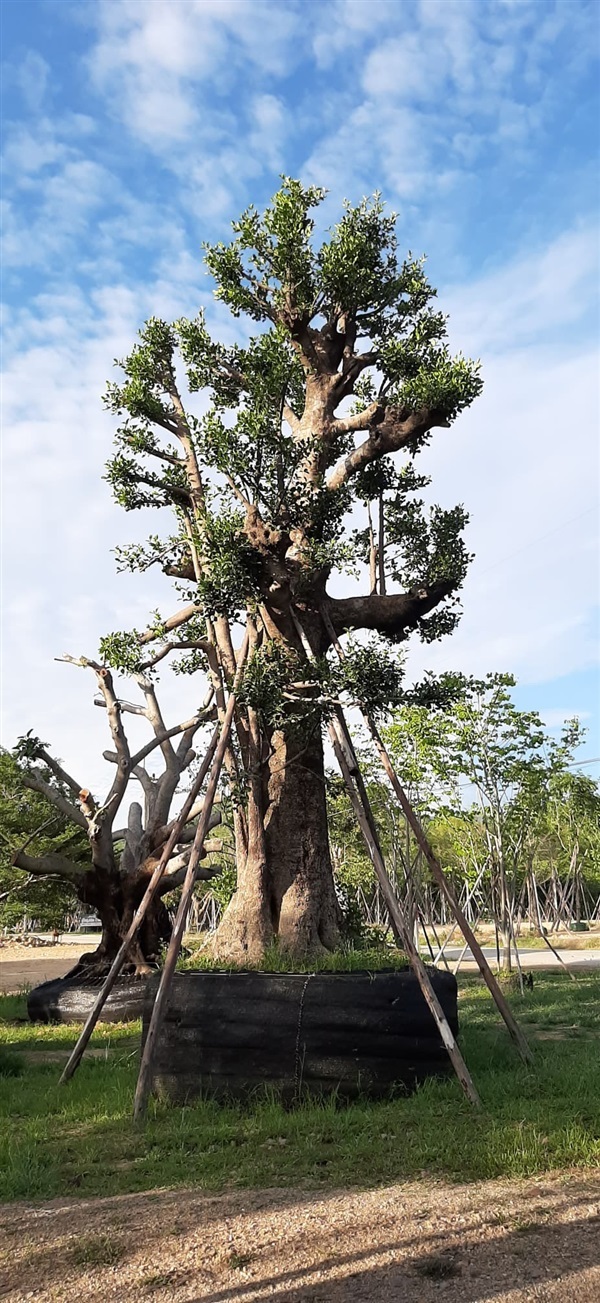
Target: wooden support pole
(145,1074)
(347,760)
(149,894)
(438,873)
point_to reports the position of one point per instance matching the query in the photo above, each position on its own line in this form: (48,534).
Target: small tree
(105,866)
(505,759)
(297,427)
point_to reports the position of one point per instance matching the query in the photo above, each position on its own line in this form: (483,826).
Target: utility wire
(539,539)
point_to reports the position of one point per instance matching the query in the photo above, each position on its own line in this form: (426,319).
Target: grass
(277,961)
(80,1139)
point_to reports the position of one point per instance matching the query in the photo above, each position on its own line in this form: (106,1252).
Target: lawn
(80,1140)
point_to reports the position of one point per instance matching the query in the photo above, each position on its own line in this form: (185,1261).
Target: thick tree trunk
(285,885)
(115,903)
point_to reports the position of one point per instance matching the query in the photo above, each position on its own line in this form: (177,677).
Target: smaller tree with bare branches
(113,877)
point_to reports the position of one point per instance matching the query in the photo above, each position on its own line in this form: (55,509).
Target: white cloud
(537,294)
(268,137)
(158,61)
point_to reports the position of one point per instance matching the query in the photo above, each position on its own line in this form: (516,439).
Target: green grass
(80,1139)
(278,961)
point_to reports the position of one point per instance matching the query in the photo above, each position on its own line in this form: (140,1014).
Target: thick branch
(395,430)
(395,614)
(33,779)
(161,835)
(173,621)
(59,772)
(43,865)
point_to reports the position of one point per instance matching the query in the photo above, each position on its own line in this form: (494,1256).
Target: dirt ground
(419,1242)
(23,966)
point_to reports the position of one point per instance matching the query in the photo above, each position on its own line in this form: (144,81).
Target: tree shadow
(237,1245)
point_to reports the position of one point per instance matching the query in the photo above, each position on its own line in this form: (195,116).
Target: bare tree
(121,859)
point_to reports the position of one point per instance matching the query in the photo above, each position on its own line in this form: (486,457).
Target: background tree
(28,819)
(484,746)
(297,426)
(105,866)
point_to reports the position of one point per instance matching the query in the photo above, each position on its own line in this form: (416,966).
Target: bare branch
(173,621)
(162,834)
(33,779)
(395,614)
(128,707)
(183,644)
(58,771)
(42,865)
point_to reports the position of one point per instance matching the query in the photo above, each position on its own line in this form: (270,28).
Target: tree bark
(285,885)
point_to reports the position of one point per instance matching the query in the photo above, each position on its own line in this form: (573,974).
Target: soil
(418,1242)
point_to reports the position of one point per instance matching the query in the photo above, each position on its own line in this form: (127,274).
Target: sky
(133,131)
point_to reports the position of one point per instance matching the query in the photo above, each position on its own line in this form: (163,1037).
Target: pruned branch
(395,614)
(33,779)
(58,771)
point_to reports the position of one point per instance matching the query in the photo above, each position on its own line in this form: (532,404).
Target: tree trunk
(285,885)
(115,904)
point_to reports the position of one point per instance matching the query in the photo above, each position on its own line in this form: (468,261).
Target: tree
(105,866)
(506,759)
(28,819)
(297,427)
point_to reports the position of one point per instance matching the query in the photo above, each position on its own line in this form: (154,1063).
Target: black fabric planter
(71,999)
(227,1034)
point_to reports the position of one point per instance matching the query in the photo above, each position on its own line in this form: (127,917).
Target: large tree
(296,428)
(107,866)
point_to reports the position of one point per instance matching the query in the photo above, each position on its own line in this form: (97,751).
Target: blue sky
(134,131)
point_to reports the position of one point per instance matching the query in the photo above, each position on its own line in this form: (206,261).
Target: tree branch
(173,622)
(33,779)
(395,430)
(59,772)
(395,614)
(42,865)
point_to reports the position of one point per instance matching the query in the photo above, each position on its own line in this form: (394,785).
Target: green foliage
(26,816)
(231,567)
(372,674)
(350,959)
(349,309)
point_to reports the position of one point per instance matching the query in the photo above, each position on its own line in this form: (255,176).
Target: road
(530,958)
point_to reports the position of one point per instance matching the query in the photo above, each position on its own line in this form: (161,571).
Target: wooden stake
(139,915)
(438,873)
(348,762)
(145,1075)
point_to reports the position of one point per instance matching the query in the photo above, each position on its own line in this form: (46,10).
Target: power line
(539,539)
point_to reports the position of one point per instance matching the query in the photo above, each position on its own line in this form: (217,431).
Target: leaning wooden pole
(140,913)
(347,760)
(145,1074)
(438,873)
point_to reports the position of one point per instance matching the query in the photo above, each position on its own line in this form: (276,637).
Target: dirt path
(24,966)
(419,1242)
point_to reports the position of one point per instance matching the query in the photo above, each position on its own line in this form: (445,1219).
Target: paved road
(529,958)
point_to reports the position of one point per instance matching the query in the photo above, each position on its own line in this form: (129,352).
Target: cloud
(533,298)
(158,61)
